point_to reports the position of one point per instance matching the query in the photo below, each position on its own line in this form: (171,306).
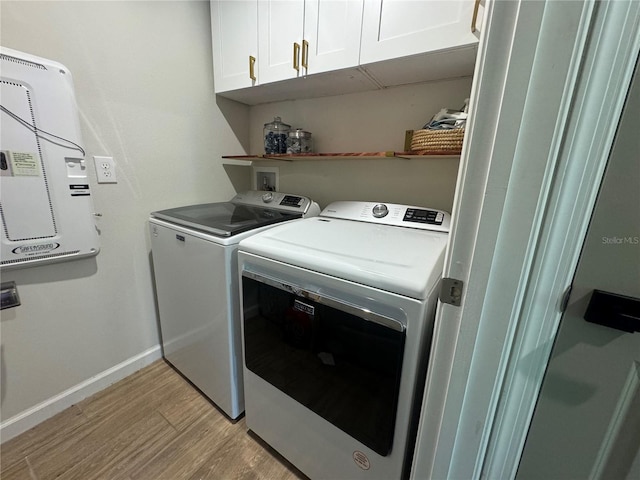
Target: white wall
(367,122)
(144,85)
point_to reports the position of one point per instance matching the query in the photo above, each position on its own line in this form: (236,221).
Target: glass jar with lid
(275,136)
(299,141)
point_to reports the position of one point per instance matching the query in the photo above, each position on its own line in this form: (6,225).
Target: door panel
(332,30)
(280,25)
(397,28)
(235,38)
(587,420)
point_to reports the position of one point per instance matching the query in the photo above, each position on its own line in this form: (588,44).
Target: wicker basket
(438,140)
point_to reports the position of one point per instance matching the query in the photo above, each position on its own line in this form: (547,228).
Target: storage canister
(299,141)
(275,136)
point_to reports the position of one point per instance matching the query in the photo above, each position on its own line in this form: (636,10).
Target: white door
(549,87)
(331,35)
(397,28)
(234,29)
(280,33)
(587,420)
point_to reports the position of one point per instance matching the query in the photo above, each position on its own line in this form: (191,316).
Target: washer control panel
(277,201)
(390,214)
(291,201)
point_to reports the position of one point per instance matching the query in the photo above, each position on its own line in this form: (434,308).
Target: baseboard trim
(31,417)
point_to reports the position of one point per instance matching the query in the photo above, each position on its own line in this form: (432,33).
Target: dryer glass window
(342,366)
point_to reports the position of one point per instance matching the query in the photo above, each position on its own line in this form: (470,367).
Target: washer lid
(225,218)
(401,260)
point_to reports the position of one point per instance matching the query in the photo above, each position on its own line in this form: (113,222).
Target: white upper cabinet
(280,32)
(299,37)
(331,35)
(234,28)
(397,28)
(339,46)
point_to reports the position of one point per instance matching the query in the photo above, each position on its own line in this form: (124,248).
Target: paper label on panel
(24,164)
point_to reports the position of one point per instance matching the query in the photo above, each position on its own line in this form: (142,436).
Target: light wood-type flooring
(152,425)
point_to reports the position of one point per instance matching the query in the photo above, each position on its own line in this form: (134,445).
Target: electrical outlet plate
(105,169)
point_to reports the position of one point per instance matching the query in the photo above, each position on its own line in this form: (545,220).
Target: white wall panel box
(45,201)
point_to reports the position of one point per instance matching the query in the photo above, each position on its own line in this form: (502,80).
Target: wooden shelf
(290,157)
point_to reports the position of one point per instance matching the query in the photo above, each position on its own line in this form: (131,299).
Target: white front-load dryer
(337,320)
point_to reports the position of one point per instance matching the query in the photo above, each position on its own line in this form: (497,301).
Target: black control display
(291,201)
(423,216)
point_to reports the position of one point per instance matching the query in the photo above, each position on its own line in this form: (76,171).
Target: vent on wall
(72,253)
(26,63)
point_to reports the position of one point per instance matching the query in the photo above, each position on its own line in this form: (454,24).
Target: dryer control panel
(421,215)
(390,214)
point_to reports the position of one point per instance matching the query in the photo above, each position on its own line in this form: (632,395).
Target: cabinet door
(332,31)
(397,28)
(234,28)
(280,27)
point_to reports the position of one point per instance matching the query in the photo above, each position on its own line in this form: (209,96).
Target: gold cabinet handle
(252,73)
(305,54)
(475,16)
(296,57)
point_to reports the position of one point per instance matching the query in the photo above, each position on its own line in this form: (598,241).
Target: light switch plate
(105,169)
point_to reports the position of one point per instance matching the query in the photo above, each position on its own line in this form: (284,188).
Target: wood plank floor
(151,425)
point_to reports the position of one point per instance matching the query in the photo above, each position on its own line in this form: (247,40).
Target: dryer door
(342,362)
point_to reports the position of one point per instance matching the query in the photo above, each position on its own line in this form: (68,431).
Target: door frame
(550,84)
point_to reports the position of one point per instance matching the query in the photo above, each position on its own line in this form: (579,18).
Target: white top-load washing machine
(338,314)
(195,267)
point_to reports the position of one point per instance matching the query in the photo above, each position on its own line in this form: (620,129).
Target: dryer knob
(267,197)
(380,210)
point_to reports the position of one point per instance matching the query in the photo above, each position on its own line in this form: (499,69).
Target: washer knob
(267,197)
(380,210)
